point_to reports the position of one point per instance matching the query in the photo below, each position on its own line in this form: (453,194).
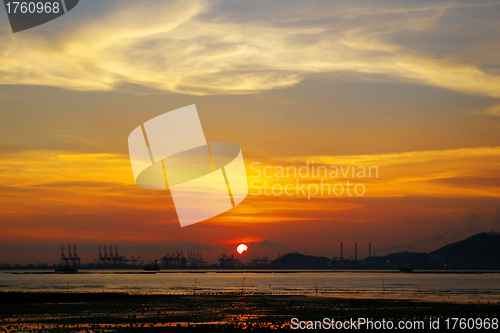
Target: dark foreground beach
(125,312)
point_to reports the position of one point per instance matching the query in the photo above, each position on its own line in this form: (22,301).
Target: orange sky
(411,88)
(54,197)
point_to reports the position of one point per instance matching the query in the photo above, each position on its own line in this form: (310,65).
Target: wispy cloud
(69,183)
(451,173)
(55,195)
(493,110)
(188,47)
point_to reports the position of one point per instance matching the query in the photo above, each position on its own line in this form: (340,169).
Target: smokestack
(341,251)
(369,250)
(356,252)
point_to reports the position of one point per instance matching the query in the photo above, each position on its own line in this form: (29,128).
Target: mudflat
(206,312)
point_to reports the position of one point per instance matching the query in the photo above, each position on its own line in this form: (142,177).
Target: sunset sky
(411,87)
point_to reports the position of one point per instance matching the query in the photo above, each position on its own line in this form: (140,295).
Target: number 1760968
(33,7)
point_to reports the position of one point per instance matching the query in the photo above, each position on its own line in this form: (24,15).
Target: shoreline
(34,270)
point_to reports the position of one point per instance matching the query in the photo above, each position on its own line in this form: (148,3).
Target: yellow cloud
(445,173)
(51,182)
(42,167)
(48,183)
(493,110)
(173,47)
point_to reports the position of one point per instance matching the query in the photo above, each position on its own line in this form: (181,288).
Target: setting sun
(241,248)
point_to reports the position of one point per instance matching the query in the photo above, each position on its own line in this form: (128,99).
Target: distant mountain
(300,261)
(415,260)
(481,251)
(478,252)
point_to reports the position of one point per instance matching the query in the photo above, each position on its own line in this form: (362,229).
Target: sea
(449,286)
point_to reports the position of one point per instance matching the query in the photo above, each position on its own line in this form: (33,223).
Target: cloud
(493,110)
(472,221)
(191,47)
(494,219)
(390,247)
(71,183)
(17,247)
(436,238)
(461,172)
(165,247)
(267,244)
(190,246)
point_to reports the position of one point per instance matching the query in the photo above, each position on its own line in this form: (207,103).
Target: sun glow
(241,248)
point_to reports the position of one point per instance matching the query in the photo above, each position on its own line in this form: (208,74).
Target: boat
(66,269)
(406,269)
(153,267)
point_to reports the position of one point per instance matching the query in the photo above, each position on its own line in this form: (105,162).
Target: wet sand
(126,312)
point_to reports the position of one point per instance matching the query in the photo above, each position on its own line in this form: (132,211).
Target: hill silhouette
(478,252)
(300,261)
(481,251)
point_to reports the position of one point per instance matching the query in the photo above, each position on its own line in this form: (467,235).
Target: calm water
(450,287)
